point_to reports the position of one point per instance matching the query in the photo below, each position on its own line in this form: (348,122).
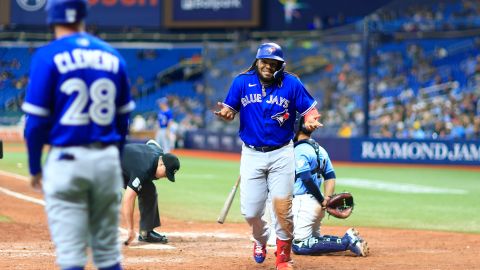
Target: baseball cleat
(152,237)
(259,252)
(356,244)
(285,266)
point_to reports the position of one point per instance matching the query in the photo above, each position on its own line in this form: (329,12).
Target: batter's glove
(340,205)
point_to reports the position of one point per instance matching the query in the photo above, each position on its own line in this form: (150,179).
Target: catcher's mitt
(340,205)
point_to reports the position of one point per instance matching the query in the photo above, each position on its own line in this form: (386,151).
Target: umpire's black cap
(171,162)
(172,165)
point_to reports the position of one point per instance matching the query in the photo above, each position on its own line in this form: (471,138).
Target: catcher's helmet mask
(300,127)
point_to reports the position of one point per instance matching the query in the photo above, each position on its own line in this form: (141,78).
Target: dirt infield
(25,243)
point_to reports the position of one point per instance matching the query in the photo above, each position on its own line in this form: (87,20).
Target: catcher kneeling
(314,168)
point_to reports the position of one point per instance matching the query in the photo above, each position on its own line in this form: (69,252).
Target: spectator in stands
(417,131)
(400,132)
(345,131)
(151,122)
(138,124)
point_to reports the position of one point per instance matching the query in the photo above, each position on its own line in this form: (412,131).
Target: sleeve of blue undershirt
(312,188)
(37,106)
(36,135)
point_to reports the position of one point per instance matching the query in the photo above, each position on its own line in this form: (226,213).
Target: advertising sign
(211,13)
(103,13)
(455,152)
(416,151)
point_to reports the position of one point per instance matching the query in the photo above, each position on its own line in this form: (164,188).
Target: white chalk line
(397,187)
(22,196)
(123,232)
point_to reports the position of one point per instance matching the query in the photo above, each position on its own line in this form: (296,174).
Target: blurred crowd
(414,16)
(421,89)
(12,80)
(187,116)
(423,94)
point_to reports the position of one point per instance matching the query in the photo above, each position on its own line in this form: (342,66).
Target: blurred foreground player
(78,101)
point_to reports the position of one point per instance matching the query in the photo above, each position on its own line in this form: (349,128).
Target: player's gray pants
(307,217)
(163,138)
(82,189)
(261,173)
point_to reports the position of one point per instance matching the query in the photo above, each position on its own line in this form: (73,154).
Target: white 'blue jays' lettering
(251,98)
(280,101)
(270,119)
(82,58)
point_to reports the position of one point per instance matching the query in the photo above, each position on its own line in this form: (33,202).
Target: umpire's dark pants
(148,204)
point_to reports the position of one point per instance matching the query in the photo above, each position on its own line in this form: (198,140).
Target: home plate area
(181,237)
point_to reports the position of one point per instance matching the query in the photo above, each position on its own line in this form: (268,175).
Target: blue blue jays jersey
(267,120)
(306,161)
(164,118)
(79,82)
(79,91)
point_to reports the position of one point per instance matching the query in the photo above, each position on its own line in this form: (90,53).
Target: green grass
(14,162)
(200,190)
(4,219)
(202,186)
(447,212)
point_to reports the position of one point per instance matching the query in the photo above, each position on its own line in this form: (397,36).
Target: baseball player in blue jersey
(314,168)
(164,118)
(78,101)
(268,99)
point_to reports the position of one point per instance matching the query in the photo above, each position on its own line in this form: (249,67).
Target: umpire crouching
(141,164)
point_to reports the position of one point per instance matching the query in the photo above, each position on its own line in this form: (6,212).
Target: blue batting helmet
(66,11)
(271,51)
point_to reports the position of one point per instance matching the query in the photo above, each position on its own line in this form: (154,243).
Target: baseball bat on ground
(228,202)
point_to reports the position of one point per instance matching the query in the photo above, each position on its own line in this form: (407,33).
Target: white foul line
(122,230)
(397,187)
(22,196)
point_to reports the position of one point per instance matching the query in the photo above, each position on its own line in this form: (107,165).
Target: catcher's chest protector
(315,146)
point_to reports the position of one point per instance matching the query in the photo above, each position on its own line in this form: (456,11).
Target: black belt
(265,149)
(97,145)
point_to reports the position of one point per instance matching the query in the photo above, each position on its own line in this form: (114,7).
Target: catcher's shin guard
(320,245)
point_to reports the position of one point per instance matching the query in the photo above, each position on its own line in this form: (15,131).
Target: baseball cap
(172,165)
(66,11)
(162,100)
